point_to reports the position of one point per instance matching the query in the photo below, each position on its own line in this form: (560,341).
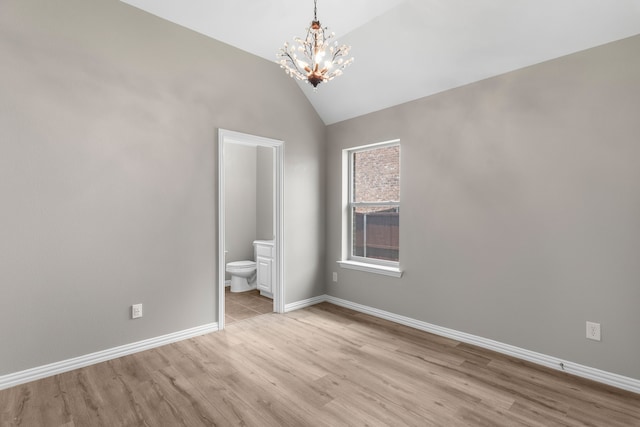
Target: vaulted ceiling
(408,49)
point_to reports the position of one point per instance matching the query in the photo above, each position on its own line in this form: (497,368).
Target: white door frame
(226,137)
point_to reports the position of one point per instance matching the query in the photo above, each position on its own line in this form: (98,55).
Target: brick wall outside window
(376,178)
(377,175)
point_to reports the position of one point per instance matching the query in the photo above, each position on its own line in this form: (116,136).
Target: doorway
(225,138)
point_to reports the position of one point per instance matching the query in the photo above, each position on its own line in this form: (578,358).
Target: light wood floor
(321,366)
(244,305)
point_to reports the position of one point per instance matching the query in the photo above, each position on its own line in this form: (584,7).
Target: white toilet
(243,275)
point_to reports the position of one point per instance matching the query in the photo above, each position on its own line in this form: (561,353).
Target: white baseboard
(39,372)
(598,375)
(304,303)
(552,362)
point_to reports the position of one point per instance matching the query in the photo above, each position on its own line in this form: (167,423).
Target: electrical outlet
(593,331)
(335,276)
(136,311)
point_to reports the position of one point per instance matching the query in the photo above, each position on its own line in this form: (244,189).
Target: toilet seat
(240,265)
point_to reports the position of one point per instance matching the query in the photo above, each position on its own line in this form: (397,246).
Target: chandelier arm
(291,61)
(309,44)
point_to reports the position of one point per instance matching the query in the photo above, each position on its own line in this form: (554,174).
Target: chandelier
(320,59)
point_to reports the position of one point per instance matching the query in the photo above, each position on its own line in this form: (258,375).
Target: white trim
(305,303)
(55,368)
(222,252)
(279,220)
(371,268)
(615,380)
(362,263)
(375,145)
(228,136)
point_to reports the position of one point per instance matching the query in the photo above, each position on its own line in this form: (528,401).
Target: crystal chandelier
(321,59)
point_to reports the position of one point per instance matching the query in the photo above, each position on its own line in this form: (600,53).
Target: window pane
(376,232)
(376,175)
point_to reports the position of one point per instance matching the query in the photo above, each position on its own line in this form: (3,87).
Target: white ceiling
(408,49)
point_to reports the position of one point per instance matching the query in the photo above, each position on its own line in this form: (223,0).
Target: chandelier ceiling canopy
(317,58)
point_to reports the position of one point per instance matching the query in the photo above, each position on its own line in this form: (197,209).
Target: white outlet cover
(136,311)
(593,331)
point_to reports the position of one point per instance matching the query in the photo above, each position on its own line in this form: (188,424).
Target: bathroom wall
(240,201)
(520,208)
(249,199)
(108,175)
(264,193)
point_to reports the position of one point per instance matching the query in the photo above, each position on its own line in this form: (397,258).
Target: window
(373,217)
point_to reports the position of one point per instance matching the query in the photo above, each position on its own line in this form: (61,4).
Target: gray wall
(520,215)
(108,124)
(264,193)
(240,203)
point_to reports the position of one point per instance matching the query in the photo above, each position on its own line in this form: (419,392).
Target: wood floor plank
(320,366)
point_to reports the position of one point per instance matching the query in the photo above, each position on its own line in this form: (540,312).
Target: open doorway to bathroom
(250,210)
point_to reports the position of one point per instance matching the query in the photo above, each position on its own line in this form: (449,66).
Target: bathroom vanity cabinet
(265,266)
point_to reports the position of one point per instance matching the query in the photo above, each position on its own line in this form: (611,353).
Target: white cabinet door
(264,273)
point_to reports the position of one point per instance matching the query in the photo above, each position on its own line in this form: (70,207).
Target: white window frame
(350,261)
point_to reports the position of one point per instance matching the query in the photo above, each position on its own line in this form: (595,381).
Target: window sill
(372,268)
